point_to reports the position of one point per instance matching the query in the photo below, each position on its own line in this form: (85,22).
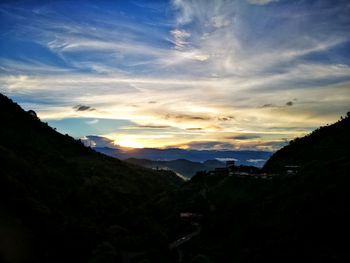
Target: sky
(244,74)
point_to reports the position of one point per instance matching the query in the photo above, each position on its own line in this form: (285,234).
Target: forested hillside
(328,143)
(291,218)
(59,197)
(63,202)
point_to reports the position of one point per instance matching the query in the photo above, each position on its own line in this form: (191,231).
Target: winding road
(186,238)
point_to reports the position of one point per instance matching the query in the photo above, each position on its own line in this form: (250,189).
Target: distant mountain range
(106,146)
(290,218)
(182,167)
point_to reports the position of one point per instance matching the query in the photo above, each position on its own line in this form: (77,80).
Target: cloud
(261,2)
(207,145)
(244,137)
(198,67)
(270,145)
(97,141)
(83,108)
(256,160)
(194,129)
(153,126)
(226,118)
(226,159)
(268,105)
(180,37)
(186,117)
(95,121)
(220,21)
(185,10)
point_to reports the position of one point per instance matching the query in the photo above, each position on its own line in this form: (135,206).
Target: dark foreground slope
(58,199)
(328,143)
(299,218)
(61,202)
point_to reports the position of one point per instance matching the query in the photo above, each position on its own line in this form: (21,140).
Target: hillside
(63,202)
(297,218)
(331,142)
(59,194)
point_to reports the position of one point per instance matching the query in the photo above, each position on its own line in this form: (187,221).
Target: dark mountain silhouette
(58,197)
(331,142)
(63,202)
(181,166)
(290,218)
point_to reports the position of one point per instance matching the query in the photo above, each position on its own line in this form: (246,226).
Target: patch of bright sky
(183,73)
(79,127)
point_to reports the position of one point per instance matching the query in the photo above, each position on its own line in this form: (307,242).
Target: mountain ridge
(62,202)
(182,166)
(60,195)
(289,218)
(327,142)
(243,157)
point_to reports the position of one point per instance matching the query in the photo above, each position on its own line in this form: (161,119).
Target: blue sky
(244,74)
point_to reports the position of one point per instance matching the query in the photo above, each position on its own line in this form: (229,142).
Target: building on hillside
(292,169)
(230,166)
(190,215)
(220,172)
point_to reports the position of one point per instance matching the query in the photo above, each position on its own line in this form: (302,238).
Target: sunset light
(202,71)
(129,144)
(174,131)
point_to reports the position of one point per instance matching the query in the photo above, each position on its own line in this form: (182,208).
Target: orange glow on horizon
(129,144)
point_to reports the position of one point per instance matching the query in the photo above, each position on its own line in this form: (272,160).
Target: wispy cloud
(180,37)
(207,145)
(95,121)
(245,137)
(149,126)
(200,70)
(83,108)
(261,2)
